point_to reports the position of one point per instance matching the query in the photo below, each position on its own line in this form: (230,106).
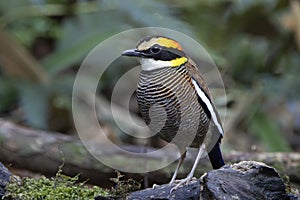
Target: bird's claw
(174,182)
(181,182)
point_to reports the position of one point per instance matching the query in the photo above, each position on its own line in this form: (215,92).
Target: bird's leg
(182,157)
(191,174)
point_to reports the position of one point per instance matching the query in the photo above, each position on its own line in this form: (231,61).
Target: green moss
(123,187)
(57,188)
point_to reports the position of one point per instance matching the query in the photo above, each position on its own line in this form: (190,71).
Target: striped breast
(169,105)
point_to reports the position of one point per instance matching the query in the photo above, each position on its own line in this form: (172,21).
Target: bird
(175,102)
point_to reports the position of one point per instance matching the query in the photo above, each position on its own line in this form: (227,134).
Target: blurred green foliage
(246,39)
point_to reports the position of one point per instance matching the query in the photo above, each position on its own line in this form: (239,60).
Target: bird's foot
(181,182)
(175,181)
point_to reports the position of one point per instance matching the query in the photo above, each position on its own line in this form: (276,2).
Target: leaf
(8,94)
(34,100)
(269,133)
(83,32)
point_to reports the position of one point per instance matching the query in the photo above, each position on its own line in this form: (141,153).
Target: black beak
(132,52)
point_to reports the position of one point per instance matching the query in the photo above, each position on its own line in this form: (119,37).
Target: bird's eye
(155,49)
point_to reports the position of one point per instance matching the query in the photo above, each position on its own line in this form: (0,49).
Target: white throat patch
(151,64)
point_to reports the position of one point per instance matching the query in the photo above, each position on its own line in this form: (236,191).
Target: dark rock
(190,191)
(104,198)
(245,180)
(4,179)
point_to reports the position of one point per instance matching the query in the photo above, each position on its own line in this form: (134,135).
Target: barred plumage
(177,96)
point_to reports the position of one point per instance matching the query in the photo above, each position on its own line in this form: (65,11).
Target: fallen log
(44,152)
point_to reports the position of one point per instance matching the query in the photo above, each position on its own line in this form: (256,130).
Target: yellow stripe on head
(178,61)
(169,43)
(149,41)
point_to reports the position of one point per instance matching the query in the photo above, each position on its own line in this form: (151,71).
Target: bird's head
(156,52)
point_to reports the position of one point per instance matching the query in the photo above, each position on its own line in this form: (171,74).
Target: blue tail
(215,156)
